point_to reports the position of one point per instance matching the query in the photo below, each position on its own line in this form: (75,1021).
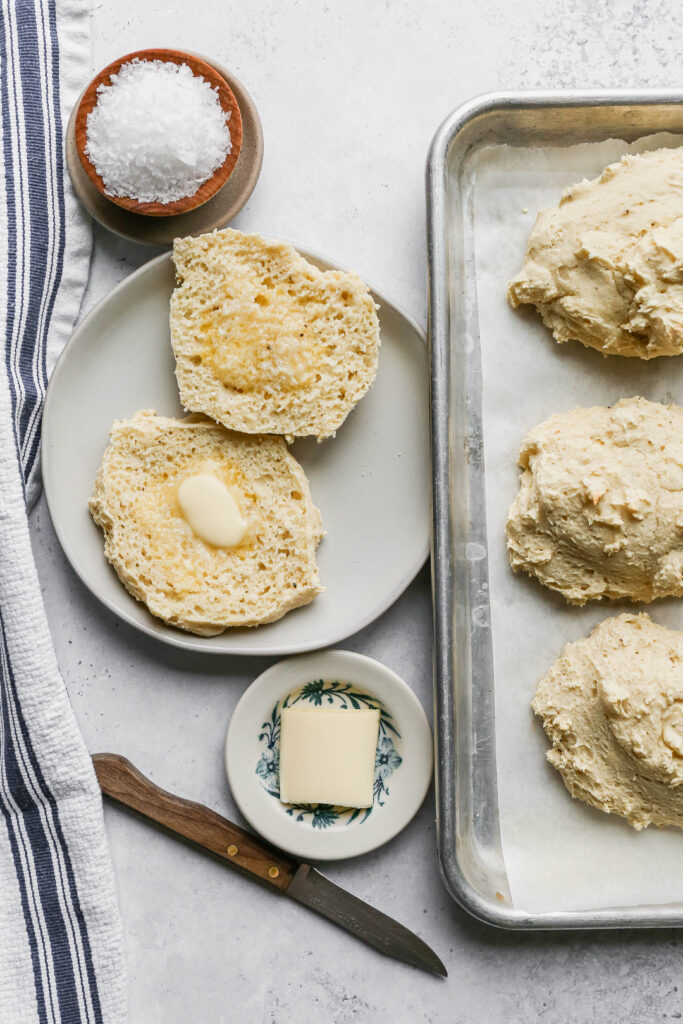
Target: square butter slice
(327,756)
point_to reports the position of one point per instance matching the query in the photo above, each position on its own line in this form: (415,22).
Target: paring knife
(121,781)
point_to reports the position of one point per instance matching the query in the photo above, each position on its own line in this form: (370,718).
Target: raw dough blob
(605,267)
(599,512)
(613,708)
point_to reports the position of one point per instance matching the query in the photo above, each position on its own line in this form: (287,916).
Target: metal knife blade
(121,781)
(372,926)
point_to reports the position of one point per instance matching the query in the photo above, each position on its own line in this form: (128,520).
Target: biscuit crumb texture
(161,562)
(612,706)
(265,342)
(599,512)
(605,267)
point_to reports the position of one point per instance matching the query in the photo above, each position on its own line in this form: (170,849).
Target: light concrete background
(350,94)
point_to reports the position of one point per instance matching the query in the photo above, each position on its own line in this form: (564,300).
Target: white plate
(404,755)
(371,482)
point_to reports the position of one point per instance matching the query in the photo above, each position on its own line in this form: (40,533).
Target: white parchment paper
(560,854)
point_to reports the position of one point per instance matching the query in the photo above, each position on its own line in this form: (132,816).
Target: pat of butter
(327,756)
(211,511)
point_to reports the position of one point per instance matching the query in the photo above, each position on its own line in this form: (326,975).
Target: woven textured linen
(61,948)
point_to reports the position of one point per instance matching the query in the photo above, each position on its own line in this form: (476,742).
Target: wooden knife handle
(120,780)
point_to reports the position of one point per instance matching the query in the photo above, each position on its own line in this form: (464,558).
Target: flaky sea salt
(157,132)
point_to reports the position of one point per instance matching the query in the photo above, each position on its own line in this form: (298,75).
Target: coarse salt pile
(157,132)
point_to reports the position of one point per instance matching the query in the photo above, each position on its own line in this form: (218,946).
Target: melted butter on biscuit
(258,346)
(210,509)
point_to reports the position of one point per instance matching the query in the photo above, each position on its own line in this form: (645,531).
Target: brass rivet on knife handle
(121,781)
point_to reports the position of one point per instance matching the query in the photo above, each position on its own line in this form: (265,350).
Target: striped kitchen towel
(61,948)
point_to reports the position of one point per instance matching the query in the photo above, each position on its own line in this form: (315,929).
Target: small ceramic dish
(403,764)
(216,212)
(200,69)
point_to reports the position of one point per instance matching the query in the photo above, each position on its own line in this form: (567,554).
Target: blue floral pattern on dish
(340,695)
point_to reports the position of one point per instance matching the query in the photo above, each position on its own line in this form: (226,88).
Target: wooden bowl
(227,101)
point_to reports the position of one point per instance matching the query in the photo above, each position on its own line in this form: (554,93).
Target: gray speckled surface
(350,95)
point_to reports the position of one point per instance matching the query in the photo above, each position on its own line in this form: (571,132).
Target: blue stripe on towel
(64,975)
(46,195)
(30,928)
(10,203)
(35,191)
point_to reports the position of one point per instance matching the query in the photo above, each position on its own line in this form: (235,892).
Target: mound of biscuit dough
(605,267)
(161,560)
(612,706)
(599,513)
(265,342)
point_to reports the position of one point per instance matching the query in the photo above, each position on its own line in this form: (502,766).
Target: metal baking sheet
(470,849)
